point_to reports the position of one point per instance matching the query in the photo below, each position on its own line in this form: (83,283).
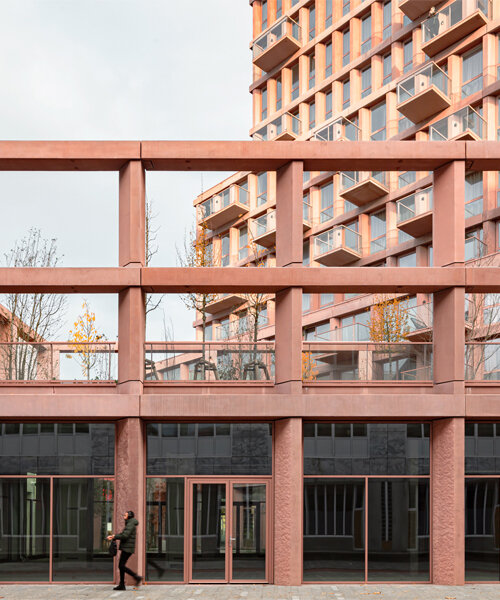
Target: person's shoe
(138,580)
(120,588)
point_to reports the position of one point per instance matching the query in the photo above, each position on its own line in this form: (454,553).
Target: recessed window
(312,72)
(366,82)
(378,122)
(295,81)
(243,243)
(346,6)
(404,123)
(387,68)
(346,47)
(264,14)
(472,72)
(377,232)
(312,115)
(261,189)
(346,93)
(279,94)
(279,8)
(312,22)
(366,33)
(224,251)
(387,20)
(326,212)
(263,109)
(328,105)
(328,59)
(407,56)
(473,194)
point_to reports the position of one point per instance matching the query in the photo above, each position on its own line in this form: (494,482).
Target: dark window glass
(334,530)
(24,522)
(398,530)
(169,429)
(367,449)
(482,448)
(68,449)
(482,530)
(83,517)
(165,529)
(235,449)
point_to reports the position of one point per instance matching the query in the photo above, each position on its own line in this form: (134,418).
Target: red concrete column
(288,502)
(130,485)
(448,531)
(132,215)
(289,229)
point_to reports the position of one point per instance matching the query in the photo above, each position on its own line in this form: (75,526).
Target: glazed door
(229,529)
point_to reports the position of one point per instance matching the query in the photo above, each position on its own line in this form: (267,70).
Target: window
(472,72)
(407,56)
(326,203)
(407,178)
(346,47)
(312,22)
(498,119)
(377,232)
(328,60)
(263,108)
(306,302)
(279,8)
(325,299)
(295,81)
(279,94)
(366,34)
(243,243)
(328,13)
(319,333)
(261,189)
(312,72)
(306,254)
(366,82)
(328,105)
(498,56)
(378,118)
(387,68)
(264,14)
(346,93)
(224,251)
(312,115)
(387,20)
(473,194)
(346,6)
(474,245)
(355,328)
(404,123)
(408,260)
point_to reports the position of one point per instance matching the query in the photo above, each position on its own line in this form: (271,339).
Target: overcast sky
(117,70)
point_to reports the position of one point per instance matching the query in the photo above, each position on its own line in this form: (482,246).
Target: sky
(117,70)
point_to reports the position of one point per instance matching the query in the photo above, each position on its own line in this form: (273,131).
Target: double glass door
(228,530)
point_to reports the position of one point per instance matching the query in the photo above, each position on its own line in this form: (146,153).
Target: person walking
(127,548)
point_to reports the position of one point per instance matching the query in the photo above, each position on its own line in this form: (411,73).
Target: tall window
(264,14)
(403,123)
(224,251)
(328,13)
(306,254)
(473,194)
(279,8)
(279,94)
(346,6)
(379,120)
(328,59)
(366,82)
(295,81)
(387,20)
(263,108)
(312,115)
(387,68)
(407,56)
(377,232)
(346,93)
(312,22)
(312,72)
(366,33)
(243,243)
(328,105)
(346,47)
(472,72)
(408,260)
(261,189)
(326,203)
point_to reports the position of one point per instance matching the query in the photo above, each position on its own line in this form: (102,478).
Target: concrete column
(130,486)
(448,530)
(288,502)
(132,221)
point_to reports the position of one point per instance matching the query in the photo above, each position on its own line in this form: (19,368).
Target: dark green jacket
(127,536)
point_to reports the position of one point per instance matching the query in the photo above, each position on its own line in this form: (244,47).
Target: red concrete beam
(482,156)
(92,405)
(482,279)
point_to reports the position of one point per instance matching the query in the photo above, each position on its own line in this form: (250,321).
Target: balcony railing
(423,94)
(276,44)
(285,127)
(241,329)
(362,187)
(356,332)
(466,124)
(223,207)
(414,213)
(63,362)
(475,248)
(338,246)
(263,229)
(368,361)
(337,131)
(418,320)
(453,23)
(209,361)
(414,9)
(482,361)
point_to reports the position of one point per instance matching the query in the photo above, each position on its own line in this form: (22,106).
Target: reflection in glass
(482,529)
(398,530)
(334,530)
(165,529)
(209,531)
(248,541)
(83,517)
(24,527)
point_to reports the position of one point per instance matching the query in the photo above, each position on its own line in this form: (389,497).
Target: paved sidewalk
(251,592)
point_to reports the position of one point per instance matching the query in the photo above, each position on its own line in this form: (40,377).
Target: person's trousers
(124,556)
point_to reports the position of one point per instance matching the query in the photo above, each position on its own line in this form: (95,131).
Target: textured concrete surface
(252,592)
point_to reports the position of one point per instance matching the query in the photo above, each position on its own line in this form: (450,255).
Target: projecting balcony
(453,23)
(228,205)
(414,9)
(466,125)
(276,44)
(286,127)
(418,321)
(415,213)
(263,229)
(224,302)
(424,94)
(337,247)
(337,131)
(362,187)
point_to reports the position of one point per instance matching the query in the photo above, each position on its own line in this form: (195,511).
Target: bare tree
(151,250)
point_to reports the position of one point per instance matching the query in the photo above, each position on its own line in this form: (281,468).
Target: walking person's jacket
(127,536)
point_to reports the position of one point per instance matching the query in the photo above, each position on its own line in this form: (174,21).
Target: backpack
(113,548)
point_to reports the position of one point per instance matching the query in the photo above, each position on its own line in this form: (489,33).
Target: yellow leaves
(309,367)
(388,321)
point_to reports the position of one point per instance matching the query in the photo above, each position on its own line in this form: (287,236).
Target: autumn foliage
(83,339)
(389,320)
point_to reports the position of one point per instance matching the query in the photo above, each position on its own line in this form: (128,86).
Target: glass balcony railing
(475,248)
(424,93)
(452,23)
(241,329)
(368,361)
(209,361)
(482,361)
(263,229)
(418,319)
(224,206)
(465,124)
(285,127)
(276,44)
(414,205)
(337,246)
(338,130)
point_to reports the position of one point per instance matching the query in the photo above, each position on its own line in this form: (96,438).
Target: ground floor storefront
(289,502)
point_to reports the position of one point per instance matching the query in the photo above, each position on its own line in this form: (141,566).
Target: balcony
(209,361)
(263,229)
(368,361)
(466,125)
(475,250)
(224,302)
(362,187)
(418,322)
(337,247)
(424,94)
(285,128)
(413,10)
(482,361)
(228,205)
(276,44)
(337,131)
(415,213)
(453,23)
